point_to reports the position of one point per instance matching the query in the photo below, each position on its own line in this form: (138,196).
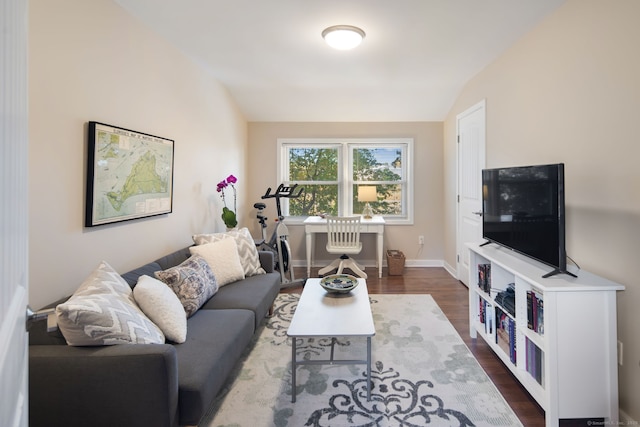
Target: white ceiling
(416,57)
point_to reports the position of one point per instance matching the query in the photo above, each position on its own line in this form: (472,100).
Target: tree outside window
(316,169)
(331,171)
(381,167)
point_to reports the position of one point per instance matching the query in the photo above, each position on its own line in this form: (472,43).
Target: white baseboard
(422,263)
(372,263)
(451,270)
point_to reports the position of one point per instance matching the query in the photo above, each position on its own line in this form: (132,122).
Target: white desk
(315,224)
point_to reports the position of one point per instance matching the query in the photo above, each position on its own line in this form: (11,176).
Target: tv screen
(523,210)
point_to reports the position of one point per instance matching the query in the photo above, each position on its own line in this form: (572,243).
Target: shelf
(536,390)
(490,339)
(522,266)
(535,338)
(493,302)
(575,332)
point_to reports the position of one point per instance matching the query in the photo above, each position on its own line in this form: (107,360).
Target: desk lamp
(367,193)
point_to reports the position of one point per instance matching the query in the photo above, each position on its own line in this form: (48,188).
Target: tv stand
(561,340)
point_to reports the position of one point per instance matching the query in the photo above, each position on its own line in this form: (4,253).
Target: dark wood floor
(452,297)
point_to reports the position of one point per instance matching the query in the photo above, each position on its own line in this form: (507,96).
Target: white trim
(451,270)
(460,246)
(10,319)
(371,263)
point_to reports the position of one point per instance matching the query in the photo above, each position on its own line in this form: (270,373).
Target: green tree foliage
(367,168)
(315,165)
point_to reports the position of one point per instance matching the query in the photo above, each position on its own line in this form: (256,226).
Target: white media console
(561,342)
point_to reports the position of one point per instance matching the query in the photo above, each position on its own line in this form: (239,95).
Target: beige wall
(569,92)
(93,61)
(428,169)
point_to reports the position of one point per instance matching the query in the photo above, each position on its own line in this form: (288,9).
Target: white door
(471,161)
(13,214)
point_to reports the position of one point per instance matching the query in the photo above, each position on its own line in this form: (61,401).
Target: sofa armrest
(267,261)
(123,385)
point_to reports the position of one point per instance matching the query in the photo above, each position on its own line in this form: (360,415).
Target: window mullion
(347,179)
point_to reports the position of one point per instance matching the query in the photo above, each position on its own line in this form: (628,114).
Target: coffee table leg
(368,368)
(293,370)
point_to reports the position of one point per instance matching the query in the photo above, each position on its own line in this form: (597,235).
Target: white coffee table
(320,314)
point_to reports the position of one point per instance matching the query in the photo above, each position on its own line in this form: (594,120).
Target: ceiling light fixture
(343,37)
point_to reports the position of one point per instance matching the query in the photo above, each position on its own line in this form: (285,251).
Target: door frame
(483,106)
(14,197)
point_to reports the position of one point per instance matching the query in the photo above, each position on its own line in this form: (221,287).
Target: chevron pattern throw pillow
(245,244)
(102,312)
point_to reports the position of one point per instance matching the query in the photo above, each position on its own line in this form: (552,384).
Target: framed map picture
(129,175)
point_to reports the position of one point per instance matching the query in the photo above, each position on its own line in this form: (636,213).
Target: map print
(132,175)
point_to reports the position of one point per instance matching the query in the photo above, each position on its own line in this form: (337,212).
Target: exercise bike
(278,243)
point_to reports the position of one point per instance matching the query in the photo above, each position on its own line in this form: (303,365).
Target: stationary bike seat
(259,205)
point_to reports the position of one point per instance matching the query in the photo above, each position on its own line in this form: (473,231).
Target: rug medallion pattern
(422,375)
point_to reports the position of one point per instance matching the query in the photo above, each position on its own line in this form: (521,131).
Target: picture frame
(129,175)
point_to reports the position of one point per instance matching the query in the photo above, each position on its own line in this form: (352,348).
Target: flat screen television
(523,210)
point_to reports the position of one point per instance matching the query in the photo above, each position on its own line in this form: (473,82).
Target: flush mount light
(343,37)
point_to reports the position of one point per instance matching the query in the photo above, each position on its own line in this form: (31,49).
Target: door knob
(479,213)
(49,314)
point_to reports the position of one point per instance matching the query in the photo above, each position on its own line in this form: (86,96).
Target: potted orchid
(228,215)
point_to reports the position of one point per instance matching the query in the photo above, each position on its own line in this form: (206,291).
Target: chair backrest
(343,232)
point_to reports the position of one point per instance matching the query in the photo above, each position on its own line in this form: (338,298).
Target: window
(331,170)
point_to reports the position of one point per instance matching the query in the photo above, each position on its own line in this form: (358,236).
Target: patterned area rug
(423,375)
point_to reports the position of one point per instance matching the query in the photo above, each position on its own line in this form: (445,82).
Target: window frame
(345,172)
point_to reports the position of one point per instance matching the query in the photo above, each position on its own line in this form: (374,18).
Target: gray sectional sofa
(149,384)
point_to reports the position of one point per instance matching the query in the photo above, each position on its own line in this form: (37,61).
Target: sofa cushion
(162,306)
(215,343)
(255,293)
(222,257)
(102,312)
(103,386)
(192,281)
(246,248)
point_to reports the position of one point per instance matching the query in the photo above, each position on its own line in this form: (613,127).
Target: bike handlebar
(284,192)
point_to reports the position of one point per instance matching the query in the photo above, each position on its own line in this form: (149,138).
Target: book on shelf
(534,361)
(484,277)
(535,312)
(512,340)
(507,299)
(485,315)
(506,333)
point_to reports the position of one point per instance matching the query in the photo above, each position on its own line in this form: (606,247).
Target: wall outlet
(421,240)
(620,353)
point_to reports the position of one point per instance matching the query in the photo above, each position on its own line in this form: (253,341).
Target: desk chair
(343,237)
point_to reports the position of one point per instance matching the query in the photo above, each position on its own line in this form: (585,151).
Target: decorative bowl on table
(339,283)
